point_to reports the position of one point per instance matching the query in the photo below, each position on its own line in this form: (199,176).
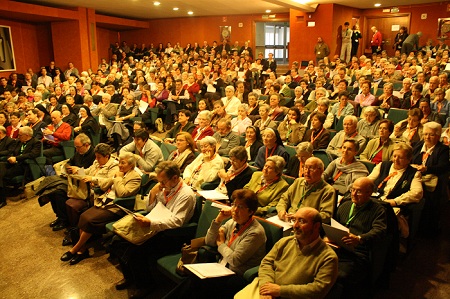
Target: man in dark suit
(28,148)
(35,123)
(6,143)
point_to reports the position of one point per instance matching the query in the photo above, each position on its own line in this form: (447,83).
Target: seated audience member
(343,171)
(273,145)
(83,158)
(184,154)
(105,110)
(265,121)
(86,123)
(43,114)
(240,241)
(291,129)
(219,113)
(237,175)
(428,114)
(28,148)
(7,143)
(206,166)
(343,107)
(296,166)
(398,183)
(126,182)
(253,105)
(203,129)
(135,260)
(366,221)
(381,148)
(322,107)
(253,142)
(178,97)
(308,191)
(226,139)
(60,131)
(298,266)
(440,103)
(230,101)
(13,129)
(96,175)
(429,157)
(350,124)
(409,130)
(276,112)
(120,131)
(365,98)
(319,94)
(387,100)
(414,100)
(67,115)
(368,125)
(268,184)
(240,123)
(201,107)
(4,119)
(147,153)
(35,123)
(317,135)
(183,125)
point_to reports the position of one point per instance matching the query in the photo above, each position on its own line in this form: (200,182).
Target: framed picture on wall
(225,33)
(7,60)
(444,28)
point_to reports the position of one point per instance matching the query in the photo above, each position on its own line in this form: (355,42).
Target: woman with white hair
(303,150)
(206,166)
(240,123)
(368,125)
(230,101)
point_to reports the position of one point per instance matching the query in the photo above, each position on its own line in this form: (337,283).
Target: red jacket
(63,133)
(376,39)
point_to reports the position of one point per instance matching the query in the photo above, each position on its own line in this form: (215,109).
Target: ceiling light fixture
(268,11)
(175,8)
(377,4)
(190,12)
(156,3)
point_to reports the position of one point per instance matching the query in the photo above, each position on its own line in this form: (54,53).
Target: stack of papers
(275,220)
(209,270)
(212,194)
(335,232)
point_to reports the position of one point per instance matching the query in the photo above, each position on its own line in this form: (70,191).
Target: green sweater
(268,197)
(321,199)
(307,273)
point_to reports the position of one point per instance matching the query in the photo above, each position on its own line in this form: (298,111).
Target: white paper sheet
(209,270)
(275,220)
(212,194)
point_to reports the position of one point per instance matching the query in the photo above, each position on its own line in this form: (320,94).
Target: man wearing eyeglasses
(309,191)
(366,220)
(299,266)
(28,148)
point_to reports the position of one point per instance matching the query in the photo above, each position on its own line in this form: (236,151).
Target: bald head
(307,223)
(361,191)
(56,117)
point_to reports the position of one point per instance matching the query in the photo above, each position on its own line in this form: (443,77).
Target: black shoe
(140,293)
(67,256)
(2,204)
(67,241)
(55,222)
(59,226)
(123,284)
(79,257)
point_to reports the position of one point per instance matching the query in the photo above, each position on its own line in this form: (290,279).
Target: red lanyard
(237,173)
(387,179)
(300,170)
(338,174)
(425,157)
(354,134)
(267,185)
(241,230)
(169,198)
(271,153)
(412,133)
(380,147)
(317,136)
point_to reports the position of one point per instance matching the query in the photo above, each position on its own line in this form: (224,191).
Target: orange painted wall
(196,29)
(429,26)
(32,45)
(66,43)
(341,14)
(105,37)
(304,38)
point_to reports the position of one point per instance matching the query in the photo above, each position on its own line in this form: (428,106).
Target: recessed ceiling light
(156,3)
(175,8)
(377,4)
(190,12)
(268,11)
